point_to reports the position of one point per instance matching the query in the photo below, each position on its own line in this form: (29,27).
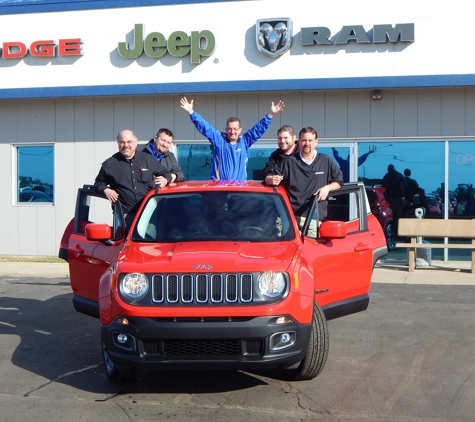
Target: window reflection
(35,166)
(258,157)
(341,155)
(195,160)
(422,164)
(461,194)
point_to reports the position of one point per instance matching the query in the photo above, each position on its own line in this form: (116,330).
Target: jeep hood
(207,256)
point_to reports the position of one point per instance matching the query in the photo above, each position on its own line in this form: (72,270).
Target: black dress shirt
(130,178)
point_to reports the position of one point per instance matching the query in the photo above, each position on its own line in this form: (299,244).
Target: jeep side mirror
(98,231)
(332,230)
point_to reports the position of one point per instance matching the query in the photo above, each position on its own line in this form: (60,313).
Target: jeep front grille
(202,289)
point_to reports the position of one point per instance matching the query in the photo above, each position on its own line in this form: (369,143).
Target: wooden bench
(414,228)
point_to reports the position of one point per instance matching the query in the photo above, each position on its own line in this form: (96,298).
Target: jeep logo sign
(274,36)
(179,44)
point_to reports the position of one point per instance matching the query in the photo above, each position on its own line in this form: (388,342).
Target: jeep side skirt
(346,307)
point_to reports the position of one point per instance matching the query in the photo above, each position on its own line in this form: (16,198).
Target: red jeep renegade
(216,274)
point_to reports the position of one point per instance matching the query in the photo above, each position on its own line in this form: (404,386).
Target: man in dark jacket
(129,174)
(396,185)
(159,147)
(412,186)
(288,145)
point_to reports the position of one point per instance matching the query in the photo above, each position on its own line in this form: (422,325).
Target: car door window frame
(358,210)
(83,209)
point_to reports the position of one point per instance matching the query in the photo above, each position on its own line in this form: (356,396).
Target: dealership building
(382,83)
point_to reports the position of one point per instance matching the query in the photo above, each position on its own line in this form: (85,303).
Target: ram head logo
(274,36)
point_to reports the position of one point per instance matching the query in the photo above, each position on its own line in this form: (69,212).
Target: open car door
(89,259)
(341,255)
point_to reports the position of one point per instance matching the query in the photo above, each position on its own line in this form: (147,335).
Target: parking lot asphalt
(409,357)
(386,271)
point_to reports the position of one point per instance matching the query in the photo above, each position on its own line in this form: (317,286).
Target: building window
(35,173)
(461,192)
(422,162)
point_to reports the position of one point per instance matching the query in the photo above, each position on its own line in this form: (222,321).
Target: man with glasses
(159,147)
(231,149)
(129,174)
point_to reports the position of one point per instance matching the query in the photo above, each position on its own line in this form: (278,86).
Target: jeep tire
(317,350)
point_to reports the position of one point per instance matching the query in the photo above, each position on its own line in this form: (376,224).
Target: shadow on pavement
(63,346)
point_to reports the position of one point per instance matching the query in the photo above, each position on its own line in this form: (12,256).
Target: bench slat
(435,245)
(413,227)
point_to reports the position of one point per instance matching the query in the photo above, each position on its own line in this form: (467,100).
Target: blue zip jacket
(230,160)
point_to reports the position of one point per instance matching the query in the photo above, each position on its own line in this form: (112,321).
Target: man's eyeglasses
(126,142)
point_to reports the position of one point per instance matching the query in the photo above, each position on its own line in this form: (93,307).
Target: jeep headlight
(134,285)
(271,284)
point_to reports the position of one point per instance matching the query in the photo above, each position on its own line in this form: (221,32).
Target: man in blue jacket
(231,149)
(159,147)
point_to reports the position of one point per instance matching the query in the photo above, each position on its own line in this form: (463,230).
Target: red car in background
(432,208)
(382,211)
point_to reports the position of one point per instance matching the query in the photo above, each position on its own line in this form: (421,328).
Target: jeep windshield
(214,216)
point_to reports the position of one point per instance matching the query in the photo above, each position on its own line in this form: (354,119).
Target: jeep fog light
(279,341)
(271,284)
(134,285)
(122,338)
(124,341)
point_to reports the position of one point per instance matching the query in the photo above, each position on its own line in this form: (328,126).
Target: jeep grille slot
(202,288)
(216,288)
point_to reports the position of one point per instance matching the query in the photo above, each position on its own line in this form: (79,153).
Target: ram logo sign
(274,36)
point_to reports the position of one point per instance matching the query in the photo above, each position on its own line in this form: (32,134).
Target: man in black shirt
(412,186)
(129,174)
(288,145)
(396,186)
(307,174)
(159,147)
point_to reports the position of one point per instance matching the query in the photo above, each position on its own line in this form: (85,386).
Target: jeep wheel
(317,350)
(115,374)
(390,237)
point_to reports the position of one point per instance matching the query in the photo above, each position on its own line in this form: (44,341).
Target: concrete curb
(455,273)
(34,269)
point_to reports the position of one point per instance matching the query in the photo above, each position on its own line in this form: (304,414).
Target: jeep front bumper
(227,343)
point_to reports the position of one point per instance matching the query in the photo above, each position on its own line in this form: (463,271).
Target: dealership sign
(273,39)
(45,48)
(179,44)
(274,36)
